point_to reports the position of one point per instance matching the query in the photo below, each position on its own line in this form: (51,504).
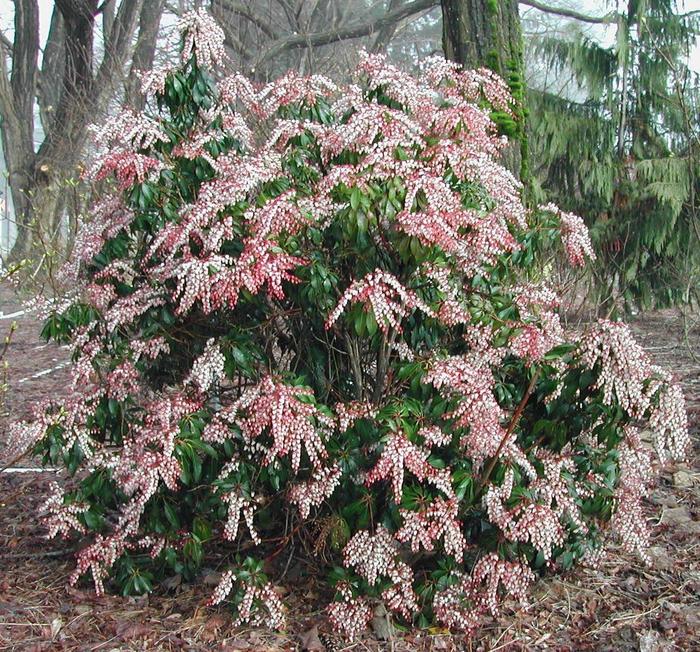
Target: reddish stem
(511,426)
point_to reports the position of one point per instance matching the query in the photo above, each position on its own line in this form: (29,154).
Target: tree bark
(52,64)
(37,214)
(17,97)
(488,34)
(145,50)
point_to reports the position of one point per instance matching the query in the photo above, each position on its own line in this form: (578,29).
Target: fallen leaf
(682,480)
(211,628)
(171,583)
(310,640)
(128,631)
(56,625)
(235,644)
(649,641)
(676,516)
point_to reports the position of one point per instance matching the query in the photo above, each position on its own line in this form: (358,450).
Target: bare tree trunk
(37,215)
(145,50)
(68,104)
(18,124)
(52,64)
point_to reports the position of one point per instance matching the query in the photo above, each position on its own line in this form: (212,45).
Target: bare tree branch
(571,13)
(25,53)
(51,75)
(249,14)
(119,40)
(387,32)
(357,30)
(107,11)
(5,42)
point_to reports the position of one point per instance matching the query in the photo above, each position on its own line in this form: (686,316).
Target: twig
(14,461)
(511,426)
(37,555)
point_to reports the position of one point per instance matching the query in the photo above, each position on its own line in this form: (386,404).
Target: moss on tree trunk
(487,33)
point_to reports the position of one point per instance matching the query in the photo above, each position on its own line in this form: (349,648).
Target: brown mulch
(622,606)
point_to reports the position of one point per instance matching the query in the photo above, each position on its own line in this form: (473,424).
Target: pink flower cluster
(128,168)
(348,413)
(575,236)
(540,326)
(275,408)
(399,454)
(313,492)
(389,299)
(471,380)
(439,520)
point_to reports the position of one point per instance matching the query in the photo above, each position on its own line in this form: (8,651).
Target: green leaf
(355,198)
(171,515)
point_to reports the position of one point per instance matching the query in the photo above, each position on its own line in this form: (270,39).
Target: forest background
(607,90)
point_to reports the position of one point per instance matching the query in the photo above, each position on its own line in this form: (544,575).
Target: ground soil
(623,605)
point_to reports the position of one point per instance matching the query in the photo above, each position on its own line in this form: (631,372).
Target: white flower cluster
(203,38)
(349,615)
(642,389)
(239,504)
(372,556)
(529,521)
(669,422)
(98,558)
(628,521)
(464,604)
(260,604)
(400,596)
(314,491)
(153,81)
(61,517)
(208,368)
(389,299)
(129,130)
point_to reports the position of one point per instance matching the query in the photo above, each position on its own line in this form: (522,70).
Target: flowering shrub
(303,308)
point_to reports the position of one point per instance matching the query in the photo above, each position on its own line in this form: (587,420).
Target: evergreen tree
(623,150)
